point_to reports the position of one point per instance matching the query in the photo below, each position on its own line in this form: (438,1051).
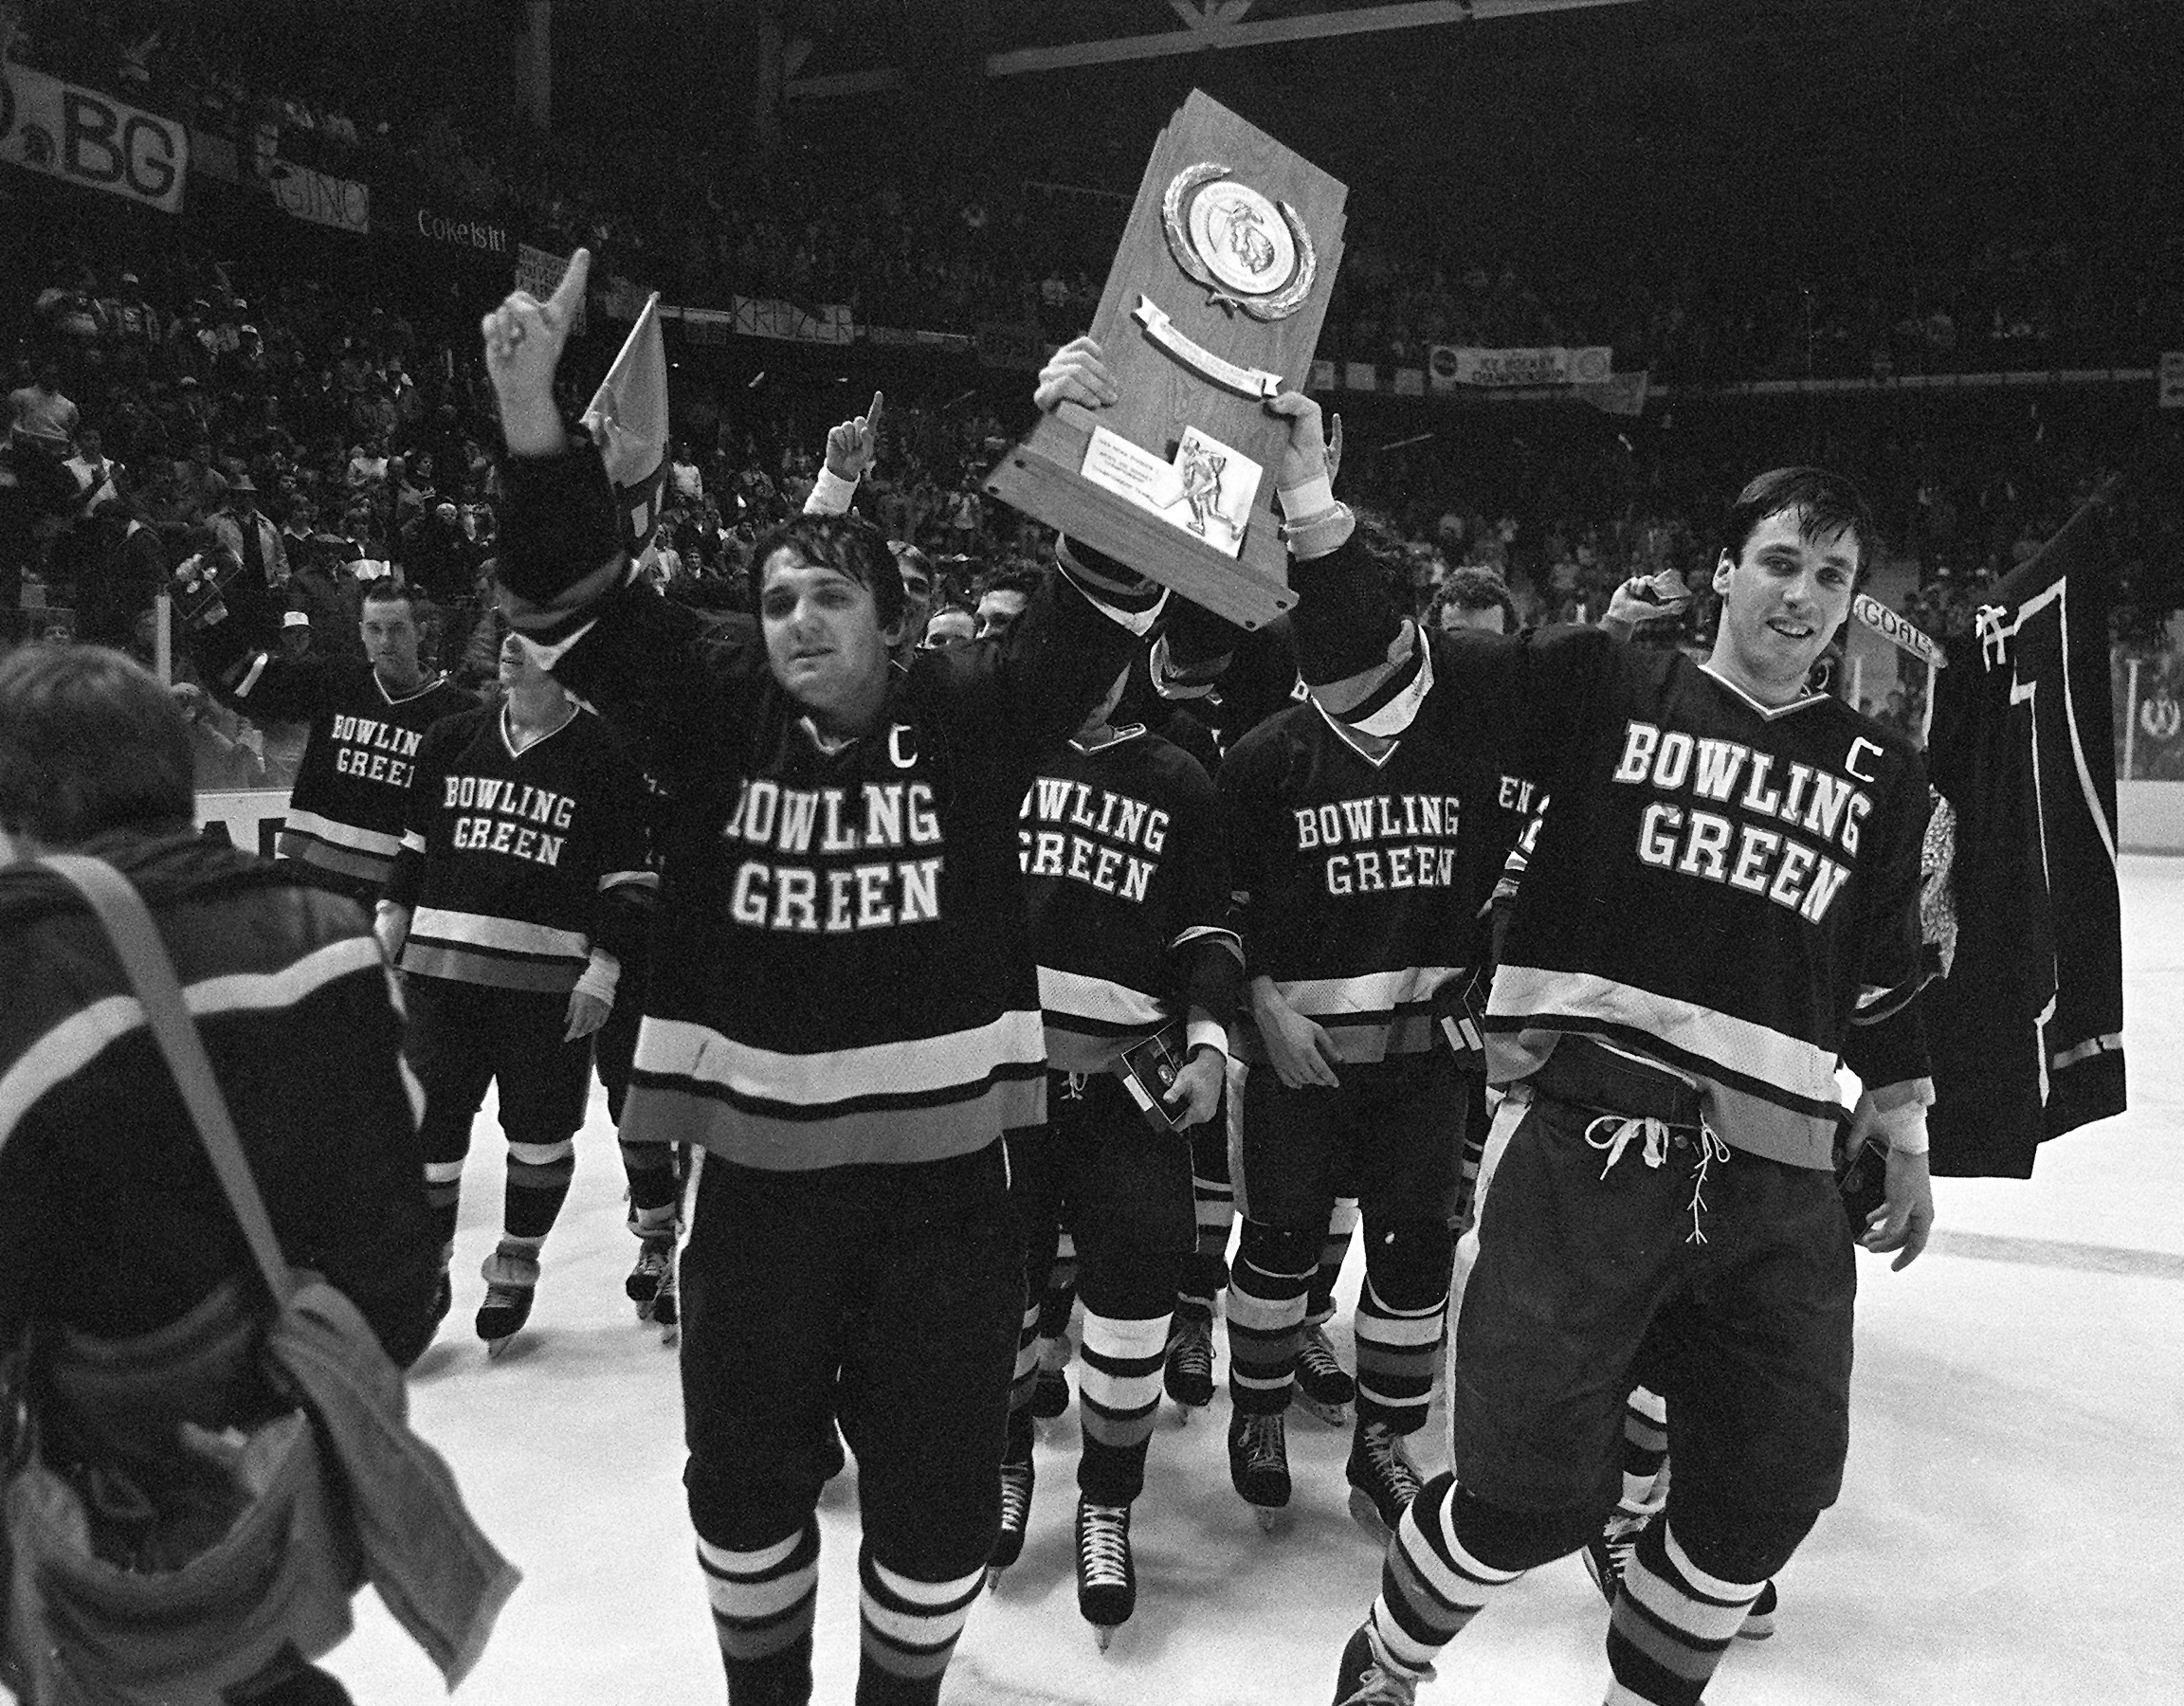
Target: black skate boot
(655,1261)
(1324,1389)
(511,1275)
(1259,1463)
(1016,1481)
(1106,1574)
(1383,1480)
(668,1305)
(1050,1389)
(1188,1376)
(1364,1678)
(1607,1553)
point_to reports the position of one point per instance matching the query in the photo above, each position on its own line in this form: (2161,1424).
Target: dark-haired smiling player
(1722,907)
(842,1011)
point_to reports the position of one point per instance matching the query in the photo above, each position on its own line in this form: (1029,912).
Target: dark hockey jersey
(842,971)
(2028,1027)
(345,813)
(1128,890)
(1357,891)
(518,864)
(1720,887)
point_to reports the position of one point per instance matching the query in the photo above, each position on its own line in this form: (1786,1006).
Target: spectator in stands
(39,411)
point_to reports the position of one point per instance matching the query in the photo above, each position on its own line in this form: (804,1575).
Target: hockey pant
(1395,1128)
(1611,1246)
(1127,1189)
(465,1037)
(885,1297)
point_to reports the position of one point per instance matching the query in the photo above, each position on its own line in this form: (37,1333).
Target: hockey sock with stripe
(763,1600)
(538,1178)
(909,1629)
(1026,1377)
(1431,1586)
(1341,1223)
(654,1192)
(1644,1452)
(1401,1312)
(444,1195)
(1671,1622)
(1119,1390)
(1266,1292)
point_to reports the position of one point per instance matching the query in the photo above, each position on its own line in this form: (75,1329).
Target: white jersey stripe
(510,935)
(1371,992)
(341,835)
(1098,998)
(77,1040)
(680,1048)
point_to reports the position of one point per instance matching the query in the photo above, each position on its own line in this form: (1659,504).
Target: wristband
(1308,501)
(600,976)
(1322,534)
(1904,1127)
(1206,1033)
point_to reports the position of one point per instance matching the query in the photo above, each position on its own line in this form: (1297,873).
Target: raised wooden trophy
(1214,305)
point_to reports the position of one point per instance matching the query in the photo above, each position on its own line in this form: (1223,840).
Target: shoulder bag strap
(136,941)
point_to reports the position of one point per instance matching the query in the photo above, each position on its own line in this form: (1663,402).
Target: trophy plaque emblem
(1214,305)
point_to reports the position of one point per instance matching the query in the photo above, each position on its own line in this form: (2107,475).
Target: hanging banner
(827,322)
(215,155)
(315,196)
(1452,365)
(404,216)
(539,271)
(89,139)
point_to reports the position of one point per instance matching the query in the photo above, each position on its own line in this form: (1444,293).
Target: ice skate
(1259,1464)
(511,1275)
(668,1306)
(1383,1480)
(1016,1481)
(1363,1678)
(1324,1389)
(1607,1553)
(1050,1391)
(1189,1375)
(655,1265)
(1106,1573)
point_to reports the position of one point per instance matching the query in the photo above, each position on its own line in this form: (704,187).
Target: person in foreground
(112,1223)
(1722,906)
(843,1013)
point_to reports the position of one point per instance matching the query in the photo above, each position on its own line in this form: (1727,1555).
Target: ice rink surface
(2007,1532)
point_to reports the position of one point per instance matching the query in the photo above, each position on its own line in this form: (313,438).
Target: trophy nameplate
(1214,305)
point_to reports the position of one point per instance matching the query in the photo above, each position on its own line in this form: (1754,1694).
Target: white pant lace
(1614,1133)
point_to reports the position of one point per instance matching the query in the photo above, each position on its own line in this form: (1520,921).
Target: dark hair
(846,544)
(1011,577)
(1474,588)
(1824,503)
(387,590)
(909,556)
(89,740)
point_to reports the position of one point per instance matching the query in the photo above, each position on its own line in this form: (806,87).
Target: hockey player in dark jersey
(843,1012)
(520,889)
(368,719)
(1721,908)
(1128,893)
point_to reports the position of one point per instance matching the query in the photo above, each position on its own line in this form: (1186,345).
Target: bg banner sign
(341,202)
(1451,366)
(91,139)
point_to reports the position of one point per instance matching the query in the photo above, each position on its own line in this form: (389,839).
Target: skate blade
(498,1348)
(1756,1628)
(670,1333)
(1368,1515)
(993,1575)
(1103,1635)
(1273,1519)
(1334,1415)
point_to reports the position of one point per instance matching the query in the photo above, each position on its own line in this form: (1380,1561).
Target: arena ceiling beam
(1211,26)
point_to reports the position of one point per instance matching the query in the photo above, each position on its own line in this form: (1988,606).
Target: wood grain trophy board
(1215,302)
